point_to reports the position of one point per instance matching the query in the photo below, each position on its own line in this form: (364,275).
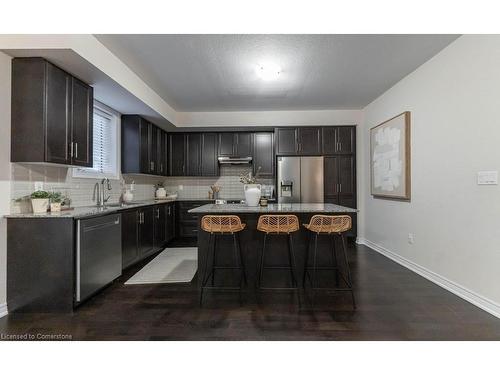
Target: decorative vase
(127,196)
(39,205)
(55,207)
(252,194)
(161,193)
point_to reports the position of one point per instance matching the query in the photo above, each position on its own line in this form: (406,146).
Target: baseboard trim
(476,299)
(3,310)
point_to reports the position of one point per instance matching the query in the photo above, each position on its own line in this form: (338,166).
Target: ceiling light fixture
(268,72)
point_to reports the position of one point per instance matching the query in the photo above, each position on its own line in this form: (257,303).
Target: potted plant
(55,202)
(40,201)
(252,189)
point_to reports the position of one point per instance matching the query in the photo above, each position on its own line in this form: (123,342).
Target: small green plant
(56,197)
(40,194)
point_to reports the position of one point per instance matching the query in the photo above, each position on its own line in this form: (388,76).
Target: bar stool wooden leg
(334,260)
(314,280)
(262,258)
(214,258)
(203,275)
(306,261)
(291,255)
(242,261)
(293,268)
(349,278)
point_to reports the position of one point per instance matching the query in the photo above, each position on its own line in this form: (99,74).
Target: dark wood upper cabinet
(263,154)
(193,154)
(298,141)
(58,126)
(339,140)
(135,136)
(346,139)
(144,147)
(286,141)
(329,140)
(153,149)
(162,152)
(243,144)
(226,144)
(51,115)
(309,141)
(209,163)
(235,144)
(145,155)
(176,154)
(82,109)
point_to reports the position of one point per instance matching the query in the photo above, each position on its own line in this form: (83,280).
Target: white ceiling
(217,72)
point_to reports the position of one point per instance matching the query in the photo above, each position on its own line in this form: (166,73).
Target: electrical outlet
(181,187)
(411,238)
(38,185)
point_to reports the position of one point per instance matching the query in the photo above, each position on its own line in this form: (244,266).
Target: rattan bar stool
(334,226)
(283,225)
(222,225)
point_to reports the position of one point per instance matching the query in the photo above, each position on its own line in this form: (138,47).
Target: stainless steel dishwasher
(98,254)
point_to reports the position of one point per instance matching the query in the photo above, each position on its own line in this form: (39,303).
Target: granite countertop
(91,211)
(272,208)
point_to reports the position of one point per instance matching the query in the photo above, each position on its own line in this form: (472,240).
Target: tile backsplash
(80,190)
(198,187)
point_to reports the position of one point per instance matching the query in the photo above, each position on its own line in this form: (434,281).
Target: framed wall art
(390,158)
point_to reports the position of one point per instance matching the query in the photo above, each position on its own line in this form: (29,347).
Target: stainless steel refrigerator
(300,179)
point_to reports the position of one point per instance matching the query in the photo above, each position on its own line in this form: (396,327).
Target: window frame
(82,172)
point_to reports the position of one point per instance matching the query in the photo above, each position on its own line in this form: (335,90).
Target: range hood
(235,160)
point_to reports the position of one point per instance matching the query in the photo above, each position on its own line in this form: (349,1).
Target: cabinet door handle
(76,149)
(340,188)
(71,149)
(157,213)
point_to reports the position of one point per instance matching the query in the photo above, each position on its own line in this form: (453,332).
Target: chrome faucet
(98,195)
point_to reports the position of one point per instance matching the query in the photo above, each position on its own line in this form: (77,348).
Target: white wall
(5,76)
(269,118)
(454,101)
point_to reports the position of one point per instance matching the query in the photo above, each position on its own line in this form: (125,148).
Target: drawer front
(188,230)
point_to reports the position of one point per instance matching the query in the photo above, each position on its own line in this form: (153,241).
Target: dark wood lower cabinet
(187,224)
(169,222)
(146,230)
(130,233)
(160,228)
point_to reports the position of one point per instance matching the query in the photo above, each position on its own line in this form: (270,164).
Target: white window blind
(104,149)
(105,146)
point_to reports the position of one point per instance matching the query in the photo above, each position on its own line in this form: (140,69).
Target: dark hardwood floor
(393,304)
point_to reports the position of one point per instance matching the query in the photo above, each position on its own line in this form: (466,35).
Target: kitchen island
(251,241)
